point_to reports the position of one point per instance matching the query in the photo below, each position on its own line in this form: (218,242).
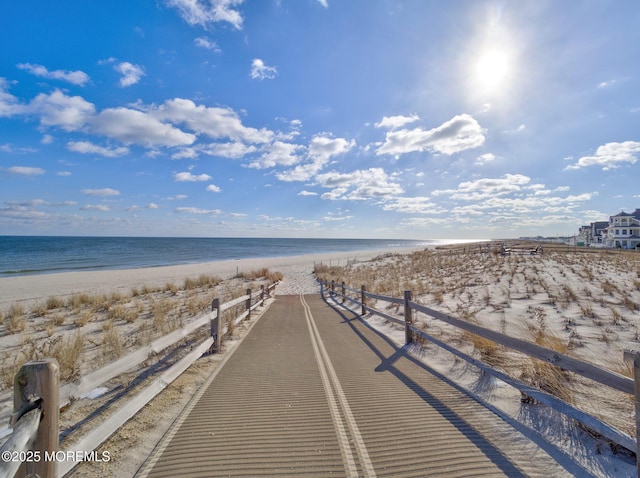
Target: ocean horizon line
(35,255)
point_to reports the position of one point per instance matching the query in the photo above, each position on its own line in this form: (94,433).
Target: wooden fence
(565,362)
(33,447)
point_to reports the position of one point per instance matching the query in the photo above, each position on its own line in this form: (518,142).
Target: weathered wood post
(248,304)
(344,292)
(216,326)
(39,379)
(262,295)
(362,299)
(408,317)
(634,355)
(333,287)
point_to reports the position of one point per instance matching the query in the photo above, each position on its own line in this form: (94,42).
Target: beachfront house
(623,231)
(591,235)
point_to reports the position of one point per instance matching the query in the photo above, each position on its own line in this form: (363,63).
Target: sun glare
(491,69)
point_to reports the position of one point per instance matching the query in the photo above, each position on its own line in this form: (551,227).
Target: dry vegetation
(581,302)
(85,331)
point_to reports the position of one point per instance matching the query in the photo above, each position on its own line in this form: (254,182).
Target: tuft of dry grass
(55,303)
(490,352)
(17,319)
(112,343)
(68,352)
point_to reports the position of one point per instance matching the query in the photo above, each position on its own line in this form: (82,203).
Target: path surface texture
(313,391)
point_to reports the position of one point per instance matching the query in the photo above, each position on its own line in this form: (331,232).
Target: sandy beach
(30,289)
(588,303)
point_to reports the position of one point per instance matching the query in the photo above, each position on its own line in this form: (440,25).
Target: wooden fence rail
(562,361)
(38,398)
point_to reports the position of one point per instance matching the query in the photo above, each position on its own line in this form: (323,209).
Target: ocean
(24,255)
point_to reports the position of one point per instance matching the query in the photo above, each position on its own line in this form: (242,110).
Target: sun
(492,69)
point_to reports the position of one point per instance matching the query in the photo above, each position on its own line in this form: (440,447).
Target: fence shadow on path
(387,364)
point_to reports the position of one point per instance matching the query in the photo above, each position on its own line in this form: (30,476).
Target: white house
(623,231)
(591,235)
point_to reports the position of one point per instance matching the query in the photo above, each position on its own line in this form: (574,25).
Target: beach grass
(84,330)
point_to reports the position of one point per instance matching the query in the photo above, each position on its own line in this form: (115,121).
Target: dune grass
(84,330)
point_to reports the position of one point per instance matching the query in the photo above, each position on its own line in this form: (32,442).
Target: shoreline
(29,289)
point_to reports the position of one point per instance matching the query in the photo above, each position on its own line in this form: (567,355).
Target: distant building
(623,231)
(593,233)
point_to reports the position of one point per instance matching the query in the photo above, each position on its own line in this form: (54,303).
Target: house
(623,231)
(592,234)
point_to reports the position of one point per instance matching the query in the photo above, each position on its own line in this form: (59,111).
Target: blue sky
(318,118)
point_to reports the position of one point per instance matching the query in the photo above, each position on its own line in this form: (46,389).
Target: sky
(410,119)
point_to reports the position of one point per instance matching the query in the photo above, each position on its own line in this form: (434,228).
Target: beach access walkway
(313,391)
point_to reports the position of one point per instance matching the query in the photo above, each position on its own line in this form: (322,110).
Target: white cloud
(9,104)
(64,173)
(95,207)
(359,185)
(307,193)
(77,77)
(322,148)
(204,42)
(607,84)
(188,177)
(413,205)
(131,74)
(202,13)
(485,158)
(336,218)
(260,71)
(70,113)
(277,154)
(395,122)
(460,133)
(185,153)
(482,189)
(213,188)
(196,210)
(610,156)
(229,150)
(213,121)
(324,3)
(101,192)
(25,170)
(133,126)
(86,147)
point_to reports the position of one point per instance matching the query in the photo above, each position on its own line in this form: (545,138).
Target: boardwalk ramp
(313,391)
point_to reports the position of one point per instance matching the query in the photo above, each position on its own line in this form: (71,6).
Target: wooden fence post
(634,355)
(248,304)
(40,379)
(333,287)
(216,326)
(408,317)
(362,299)
(262,295)
(344,292)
